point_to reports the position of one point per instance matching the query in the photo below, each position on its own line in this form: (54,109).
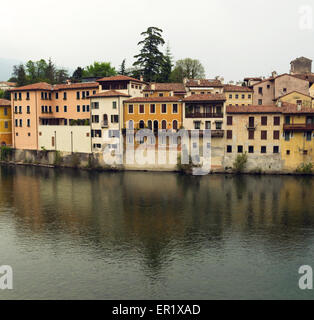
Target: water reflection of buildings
(154,216)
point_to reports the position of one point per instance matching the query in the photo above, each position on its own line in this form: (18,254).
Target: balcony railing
(104,124)
(215,133)
(298,127)
(204,115)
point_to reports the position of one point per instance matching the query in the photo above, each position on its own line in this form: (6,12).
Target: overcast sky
(231,38)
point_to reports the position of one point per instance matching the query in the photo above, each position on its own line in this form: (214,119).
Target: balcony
(104,124)
(299,127)
(215,133)
(251,127)
(203,115)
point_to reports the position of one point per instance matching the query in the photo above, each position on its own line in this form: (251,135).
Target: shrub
(305,168)
(58,159)
(6,153)
(240,163)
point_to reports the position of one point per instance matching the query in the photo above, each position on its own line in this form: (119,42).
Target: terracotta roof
(4,102)
(154,99)
(254,109)
(11,84)
(233,88)
(253,78)
(111,93)
(119,78)
(205,97)
(298,92)
(80,85)
(34,86)
(56,87)
(273,78)
(306,76)
(175,87)
(204,83)
(293,109)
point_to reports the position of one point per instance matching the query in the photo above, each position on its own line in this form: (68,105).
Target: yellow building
(153,112)
(238,95)
(5,123)
(255,130)
(298,98)
(298,138)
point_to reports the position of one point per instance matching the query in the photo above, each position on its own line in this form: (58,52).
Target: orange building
(153,112)
(5,123)
(43,105)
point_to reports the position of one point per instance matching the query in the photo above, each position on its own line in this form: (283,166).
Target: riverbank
(96,162)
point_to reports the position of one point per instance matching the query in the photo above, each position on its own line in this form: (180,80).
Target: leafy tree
(78,73)
(20,75)
(50,72)
(150,58)
(166,67)
(122,68)
(1,94)
(61,75)
(187,68)
(99,69)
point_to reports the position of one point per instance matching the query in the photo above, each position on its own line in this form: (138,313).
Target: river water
(72,234)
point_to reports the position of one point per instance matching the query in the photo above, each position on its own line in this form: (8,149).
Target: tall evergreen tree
(78,74)
(166,66)
(150,58)
(20,75)
(122,68)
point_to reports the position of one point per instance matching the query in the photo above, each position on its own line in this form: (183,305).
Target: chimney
(299,105)
(274,74)
(68,82)
(199,82)
(279,104)
(141,78)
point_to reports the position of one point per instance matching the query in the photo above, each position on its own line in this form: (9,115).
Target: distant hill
(6,67)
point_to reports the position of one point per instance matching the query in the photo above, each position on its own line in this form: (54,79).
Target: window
(28,122)
(146,95)
(5,111)
(229,149)
(6,124)
(163,108)
(251,135)
(161,94)
(65,108)
(308,135)
(276,149)
(276,135)
(251,122)
(260,101)
(87,108)
(288,152)
(78,108)
(263,149)
(240,149)
(229,134)
(287,135)
(287,119)
(114,133)
(276,121)
(230,96)
(96,145)
(57,95)
(20,96)
(84,108)
(197,125)
(16,123)
(114,105)
(94,91)
(207,125)
(28,110)
(15,96)
(264,135)
(131,108)
(27,95)
(114,118)
(20,109)
(83,94)
(229,120)
(152,108)
(268,86)
(15,109)
(284,90)
(218,125)
(95,105)
(95,119)
(46,109)
(249,96)
(264,121)
(64,95)
(237,96)
(251,149)
(142,108)
(175,108)
(175,125)
(57,108)
(21,123)
(164,124)
(46,96)
(243,96)
(260,90)
(78,95)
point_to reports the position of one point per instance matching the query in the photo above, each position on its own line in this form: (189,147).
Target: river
(71,234)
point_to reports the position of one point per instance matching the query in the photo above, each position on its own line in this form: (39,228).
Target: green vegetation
(187,68)
(305,168)
(240,163)
(79,122)
(58,159)
(5,153)
(99,69)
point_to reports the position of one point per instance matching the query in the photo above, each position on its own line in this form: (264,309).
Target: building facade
(238,95)
(5,123)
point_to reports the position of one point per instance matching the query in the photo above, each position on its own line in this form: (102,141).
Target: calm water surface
(81,235)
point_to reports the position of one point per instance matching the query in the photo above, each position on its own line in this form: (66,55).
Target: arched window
(175,125)
(131,125)
(164,124)
(150,124)
(142,124)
